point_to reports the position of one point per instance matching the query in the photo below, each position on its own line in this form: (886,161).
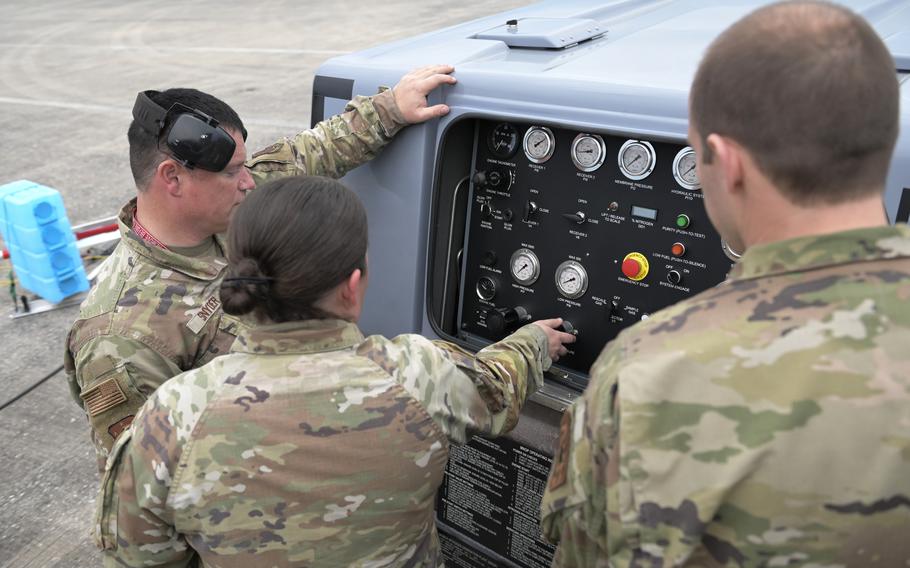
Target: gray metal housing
(634,78)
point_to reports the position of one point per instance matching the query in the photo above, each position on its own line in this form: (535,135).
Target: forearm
(336,145)
(518,363)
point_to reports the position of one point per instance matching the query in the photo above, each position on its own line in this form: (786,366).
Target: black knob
(674,277)
(489,258)
(495,178)
(504,320)
(530,209)
(568,327)
(479,178)
(486,211)
(507,215)
(577,217)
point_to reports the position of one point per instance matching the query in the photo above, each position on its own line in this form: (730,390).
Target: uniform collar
(808,253)
(201,268)
(299,337)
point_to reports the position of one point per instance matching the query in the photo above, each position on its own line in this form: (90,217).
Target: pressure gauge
(636,159)
(728,250)
(525,266)
(539,144)
(503,140)
(571,279)
(485,288)
(684,169)
(588,152)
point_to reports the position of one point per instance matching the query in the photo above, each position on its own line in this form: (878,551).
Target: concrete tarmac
(69,73)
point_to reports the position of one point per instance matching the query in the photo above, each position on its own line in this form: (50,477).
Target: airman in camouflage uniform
(307,446)
(155,312)
(765,422)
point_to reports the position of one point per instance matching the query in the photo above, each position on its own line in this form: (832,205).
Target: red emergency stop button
(635,266)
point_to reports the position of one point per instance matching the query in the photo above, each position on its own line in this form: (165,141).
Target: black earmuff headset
(193,138)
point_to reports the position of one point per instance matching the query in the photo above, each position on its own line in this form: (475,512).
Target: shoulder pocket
(110,399)
(277,157)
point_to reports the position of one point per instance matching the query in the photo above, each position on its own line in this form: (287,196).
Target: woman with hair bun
(309,444)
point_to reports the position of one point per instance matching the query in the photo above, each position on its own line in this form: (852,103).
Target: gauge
(503,141)
(539,144)
(728,250)
(684,169)
(525,266)
(571,279)
(486,288)
(636,159)
(588,152)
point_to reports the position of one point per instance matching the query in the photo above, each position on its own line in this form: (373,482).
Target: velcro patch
(103,396)
(561,462)
(204,314)
(118,427)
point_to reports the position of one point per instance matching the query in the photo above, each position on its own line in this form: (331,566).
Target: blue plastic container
(40,240)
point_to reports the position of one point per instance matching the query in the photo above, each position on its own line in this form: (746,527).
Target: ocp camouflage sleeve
(574,508)
(135,510)
(464,393)
(334,146)
(763,422)
(116,376)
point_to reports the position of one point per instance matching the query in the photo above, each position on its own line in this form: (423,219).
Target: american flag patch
(103,396)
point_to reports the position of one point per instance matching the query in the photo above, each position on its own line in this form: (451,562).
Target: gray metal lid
(544,33)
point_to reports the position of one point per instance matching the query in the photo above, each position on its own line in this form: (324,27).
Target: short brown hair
(810,90)
(289,243)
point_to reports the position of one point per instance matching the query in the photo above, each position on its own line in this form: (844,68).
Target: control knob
(578,217)
(504,320)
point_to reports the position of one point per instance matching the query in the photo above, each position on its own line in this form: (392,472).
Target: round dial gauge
(636,159)
(539,144)
(588,152)
(525,266)
(503,140)
(485,288)
(571,279)
(684,169)
(728,250)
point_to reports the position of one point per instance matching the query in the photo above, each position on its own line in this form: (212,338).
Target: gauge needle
(638,157)
(689,170)
(569,280)
(586,151)
(522,268)
(539,142)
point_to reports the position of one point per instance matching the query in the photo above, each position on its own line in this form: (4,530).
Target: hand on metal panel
(412,90)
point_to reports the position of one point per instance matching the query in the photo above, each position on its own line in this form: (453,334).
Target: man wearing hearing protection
(154,311)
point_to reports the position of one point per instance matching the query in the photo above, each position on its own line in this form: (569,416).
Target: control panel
(598,228)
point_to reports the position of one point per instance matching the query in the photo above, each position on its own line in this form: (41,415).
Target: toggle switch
(530,210)
(578,217)
(674,277)
(486,211)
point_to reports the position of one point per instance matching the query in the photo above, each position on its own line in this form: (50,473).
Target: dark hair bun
(240,293)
